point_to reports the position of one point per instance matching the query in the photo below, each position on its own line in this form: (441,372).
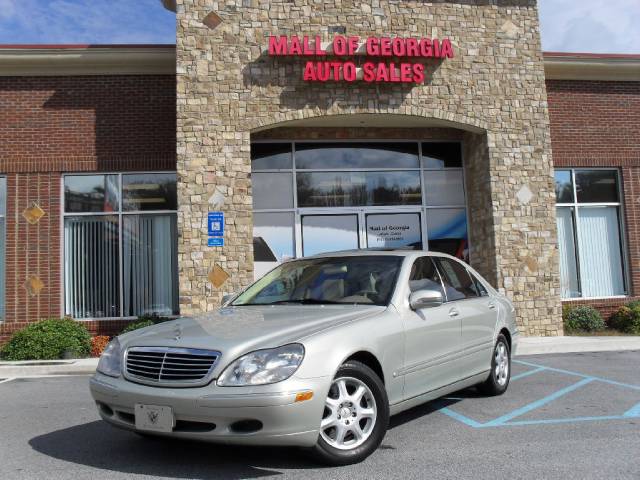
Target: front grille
(169,366)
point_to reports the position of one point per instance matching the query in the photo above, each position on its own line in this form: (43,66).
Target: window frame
(120,213)
(575,205)
(422,208)
(3,250)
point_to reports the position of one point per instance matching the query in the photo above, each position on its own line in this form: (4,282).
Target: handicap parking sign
(215,224)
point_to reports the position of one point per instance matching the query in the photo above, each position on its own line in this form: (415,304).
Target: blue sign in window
(215,224)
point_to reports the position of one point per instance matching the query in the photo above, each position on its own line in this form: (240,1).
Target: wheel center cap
(345,412)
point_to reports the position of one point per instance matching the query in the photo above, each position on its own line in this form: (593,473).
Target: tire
(362,419)
(500,374)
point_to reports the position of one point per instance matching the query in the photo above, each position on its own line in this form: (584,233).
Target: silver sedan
(318,353)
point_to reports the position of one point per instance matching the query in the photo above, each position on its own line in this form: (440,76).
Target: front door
(478,313)
(432,337)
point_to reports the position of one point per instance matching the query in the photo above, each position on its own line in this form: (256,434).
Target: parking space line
(461,418)
(578,374)
(538,403)
(527,373)
(551,421)
(633,412)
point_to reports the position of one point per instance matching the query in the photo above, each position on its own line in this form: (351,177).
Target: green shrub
(627,319)
(48,340)
(137,325)
(566,309)
(583,319)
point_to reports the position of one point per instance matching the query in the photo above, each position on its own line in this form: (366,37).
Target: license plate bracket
(154,418)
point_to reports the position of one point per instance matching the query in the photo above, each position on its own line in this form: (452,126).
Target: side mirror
(425,299)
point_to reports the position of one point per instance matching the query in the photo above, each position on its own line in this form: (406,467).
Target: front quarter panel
(379,335)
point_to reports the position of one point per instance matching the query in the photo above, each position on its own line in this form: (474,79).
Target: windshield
(365,280)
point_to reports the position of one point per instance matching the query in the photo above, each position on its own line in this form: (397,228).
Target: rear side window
(457,281)
(424,276)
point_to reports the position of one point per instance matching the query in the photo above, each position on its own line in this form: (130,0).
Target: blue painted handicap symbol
(215,224)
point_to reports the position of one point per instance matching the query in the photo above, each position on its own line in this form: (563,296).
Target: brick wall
(52,125)
(597,124)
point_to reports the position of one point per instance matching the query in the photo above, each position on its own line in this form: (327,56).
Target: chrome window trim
(179,350)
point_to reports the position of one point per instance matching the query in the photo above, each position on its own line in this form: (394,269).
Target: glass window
(272,240)
(347,280)
(424,276)
(356,155)
(149,191)
(350,189)
(443,188)
(565,221)
(457,281)
(119,263)
(272,190)
(589,235)
(564,186)
(394,230)
(150,283)
(90,193)
(480,288)
(441,155)
(3,211)
(600,255)
(92,286)
(329,233)
(271,156)
(596,186)
(447,229)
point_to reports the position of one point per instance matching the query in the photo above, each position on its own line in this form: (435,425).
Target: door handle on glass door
(454,312)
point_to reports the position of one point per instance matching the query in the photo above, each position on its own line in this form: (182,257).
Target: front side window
(3,211)
(588,218)
(457,281)
(424,276)
(367,280)
(120,245)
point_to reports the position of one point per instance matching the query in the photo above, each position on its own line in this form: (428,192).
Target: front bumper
(221,414)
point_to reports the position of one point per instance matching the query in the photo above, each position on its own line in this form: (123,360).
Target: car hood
(235,331)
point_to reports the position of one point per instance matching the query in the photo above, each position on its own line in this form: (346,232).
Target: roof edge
(56,60)
(592,66)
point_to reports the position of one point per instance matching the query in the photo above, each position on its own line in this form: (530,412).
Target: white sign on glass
(394,230)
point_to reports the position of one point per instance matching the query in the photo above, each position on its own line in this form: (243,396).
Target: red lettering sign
(396,48)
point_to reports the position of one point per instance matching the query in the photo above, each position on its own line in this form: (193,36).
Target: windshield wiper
(300,301)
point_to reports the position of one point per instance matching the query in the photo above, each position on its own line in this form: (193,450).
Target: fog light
(302,396)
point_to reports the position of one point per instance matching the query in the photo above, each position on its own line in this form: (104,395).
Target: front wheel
(355,417)
(500,375)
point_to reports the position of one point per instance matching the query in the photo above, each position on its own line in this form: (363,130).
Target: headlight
(263,366)
(109,363)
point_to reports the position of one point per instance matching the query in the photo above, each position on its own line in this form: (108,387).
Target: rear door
(478,315)
(432,337)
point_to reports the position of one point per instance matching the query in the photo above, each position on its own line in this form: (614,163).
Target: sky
(597,26)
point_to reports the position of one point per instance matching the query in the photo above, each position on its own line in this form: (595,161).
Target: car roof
(398,252)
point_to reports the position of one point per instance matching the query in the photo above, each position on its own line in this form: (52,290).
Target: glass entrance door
(329,233)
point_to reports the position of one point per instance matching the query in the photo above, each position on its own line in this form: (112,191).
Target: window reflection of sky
(378,155)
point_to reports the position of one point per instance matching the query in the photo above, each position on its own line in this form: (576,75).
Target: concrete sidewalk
(569,344)
(527,346)
(41,368)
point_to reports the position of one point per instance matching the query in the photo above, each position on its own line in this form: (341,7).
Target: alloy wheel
(350,414)
(501,370)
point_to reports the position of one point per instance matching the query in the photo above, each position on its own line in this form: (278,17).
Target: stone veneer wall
(494,87)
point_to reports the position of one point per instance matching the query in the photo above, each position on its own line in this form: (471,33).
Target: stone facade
(493,91)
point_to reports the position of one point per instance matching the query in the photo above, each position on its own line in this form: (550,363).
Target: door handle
(454,312)
(491,305)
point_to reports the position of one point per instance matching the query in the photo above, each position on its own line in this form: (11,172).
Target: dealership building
(138,180)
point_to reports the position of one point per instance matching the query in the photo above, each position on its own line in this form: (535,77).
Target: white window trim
(621,228)
(120,214)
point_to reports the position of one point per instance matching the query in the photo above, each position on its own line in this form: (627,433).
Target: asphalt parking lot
(569,416)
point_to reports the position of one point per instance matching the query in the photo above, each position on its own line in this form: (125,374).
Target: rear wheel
(355,417)
(500,375)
